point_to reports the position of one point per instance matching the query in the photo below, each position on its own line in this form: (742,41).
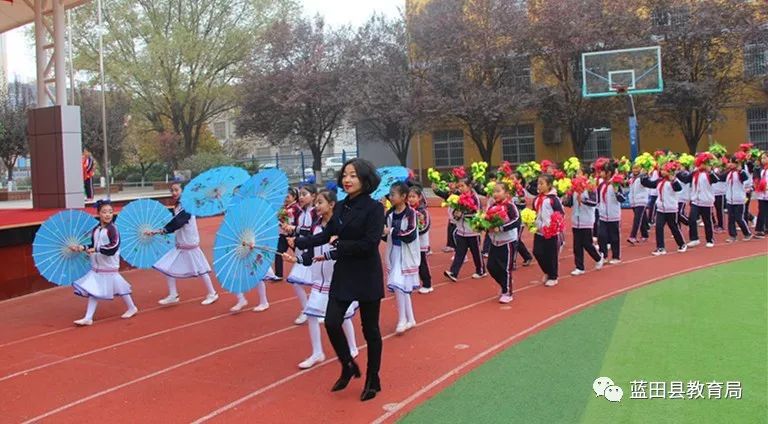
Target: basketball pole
(634,139)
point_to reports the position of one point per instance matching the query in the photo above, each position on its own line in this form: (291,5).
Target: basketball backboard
(614,72)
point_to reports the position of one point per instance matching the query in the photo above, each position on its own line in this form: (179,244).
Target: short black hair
(401,188)
(329,195)
(610,166)
(504,186)
(366,173)
(548,178)
(309,188)
(292,191)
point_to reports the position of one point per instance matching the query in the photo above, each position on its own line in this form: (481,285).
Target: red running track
(193,363)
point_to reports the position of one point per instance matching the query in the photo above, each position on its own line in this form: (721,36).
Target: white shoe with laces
(83,322)
(261,307)
(210,299)
(426,290)
(710,244)
(129,313)
(694,243)
(577,272)
(600,263)
(169,300)
(239,305)
(301,319)
(550,283)
(682,248)
(409,325)
(401,327)
(312,361)
(659,252)
(614,261)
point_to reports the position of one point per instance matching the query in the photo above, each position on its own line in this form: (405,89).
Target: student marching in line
(761,194)
(582,220)
(418,202)
(186,260)
(666,207)
(301,273)
(718,188)
(683,198)
(701,181)
(466,237)
(450,237)
(103,281)
(638,199)
(518,198)
(403,255)
(546,246)
(735,197)
(322,259)
(609,200)
(292,213)
(503,240)
(261,289)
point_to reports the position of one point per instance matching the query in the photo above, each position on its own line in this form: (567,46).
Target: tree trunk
(9,169)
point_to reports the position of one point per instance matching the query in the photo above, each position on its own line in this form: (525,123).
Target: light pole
(103,100)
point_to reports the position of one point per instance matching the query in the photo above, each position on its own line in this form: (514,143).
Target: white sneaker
(301,319)
(505,298)
(659,252)
(682,248)
(614,261)
(129,313)
(312,361)
(84,322)
(239,305)
(694,243)
(710,244)
(477,276)
(701,224)
(170,300)
(210,299)
(410,324)
(550,283)
(601,262)
(261,307)
(401,327)
(577,272)
(426,290)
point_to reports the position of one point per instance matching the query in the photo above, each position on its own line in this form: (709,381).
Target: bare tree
(118,108)
(701,41)
(14,102)
(297,88)
(473,57)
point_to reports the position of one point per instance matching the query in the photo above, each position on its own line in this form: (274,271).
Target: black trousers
(670,219)
(651,209)
(682,217)
(500,265)
(595,226)
(748,215)
(486,244)
(608,233)
(88,186)
(282,247)
(736,217)
(719,206)
(762,216)
(369,317)
(582,241)
(451,236)
(546,251)
(639,222)
(705,213)
(424,274)
(462,245)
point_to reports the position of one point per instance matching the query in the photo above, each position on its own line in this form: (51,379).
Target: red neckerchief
(696,176)
(539,201)
(604,191)
(730,176)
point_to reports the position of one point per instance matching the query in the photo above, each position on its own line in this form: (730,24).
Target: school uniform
(761,194)
(103,281)
(293,211)
(702,202)
(546,250)
(520,247)
(424,274)
(735,198)
(403,254)
(666,209)
(302,274)
(502,250)
(467,239)
(653,196)
(749,188)
(186,259)
(638,201)
(718,188)
(609,202)
(682,199)
(451,227)
(582,220)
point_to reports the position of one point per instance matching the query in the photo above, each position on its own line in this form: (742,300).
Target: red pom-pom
(467,203)
(558,174)
(746,147)
(741,156)
(498,211)
(546,164)
(659,153)
(555,227)
(459,172)
(618,179)
(671,166)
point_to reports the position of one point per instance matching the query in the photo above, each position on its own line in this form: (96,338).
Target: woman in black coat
(355,231)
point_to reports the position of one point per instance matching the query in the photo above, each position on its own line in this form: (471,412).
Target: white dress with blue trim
(103,281)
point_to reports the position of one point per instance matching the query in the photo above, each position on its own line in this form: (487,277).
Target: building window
(518,144)
(598,144)
(448,148)
(755,63)
(220,130)
(757,122)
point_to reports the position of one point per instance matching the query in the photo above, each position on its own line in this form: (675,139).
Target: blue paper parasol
(136,218)
(270,185)
(211,192)
(389,175)
(340,194)
(51,247)
(245,245)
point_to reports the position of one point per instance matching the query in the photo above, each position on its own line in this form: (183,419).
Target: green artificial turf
(709,325)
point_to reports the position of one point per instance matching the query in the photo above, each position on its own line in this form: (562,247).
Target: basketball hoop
(620,89)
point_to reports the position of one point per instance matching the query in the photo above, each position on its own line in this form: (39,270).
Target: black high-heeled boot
(372,386)
(348,371)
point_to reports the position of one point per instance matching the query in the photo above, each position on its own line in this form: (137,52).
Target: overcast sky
(21,55)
